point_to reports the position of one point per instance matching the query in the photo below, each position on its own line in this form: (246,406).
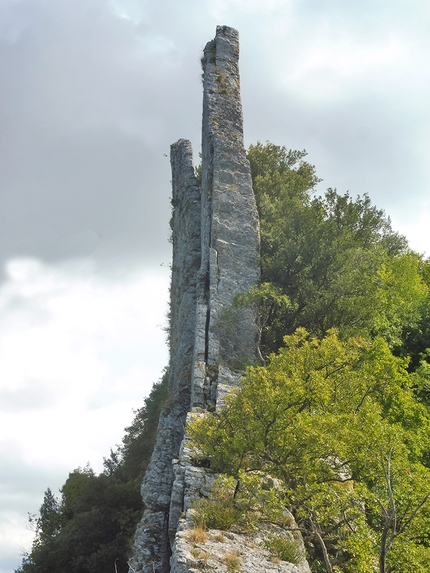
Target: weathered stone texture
(152,546)
(230,236)
(215,553)
(186,224)
(215,258)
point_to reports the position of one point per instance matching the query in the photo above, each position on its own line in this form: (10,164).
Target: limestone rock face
(229,215)
(221,549)
(152,547)
(215,258)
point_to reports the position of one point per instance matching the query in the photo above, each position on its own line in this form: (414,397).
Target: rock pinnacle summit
(215,258)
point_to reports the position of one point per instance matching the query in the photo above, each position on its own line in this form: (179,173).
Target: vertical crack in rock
(215,258)
(230,238)
(152,545)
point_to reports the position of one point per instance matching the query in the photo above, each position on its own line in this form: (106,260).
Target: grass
(232,560)
(197,534)
(283,548)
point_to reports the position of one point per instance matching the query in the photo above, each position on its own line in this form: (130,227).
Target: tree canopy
(338,417)
(338,424)
(336,259)
(90,527)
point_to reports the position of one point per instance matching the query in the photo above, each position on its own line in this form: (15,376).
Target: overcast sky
(93,92)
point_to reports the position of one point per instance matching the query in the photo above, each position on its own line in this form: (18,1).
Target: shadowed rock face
(215,258)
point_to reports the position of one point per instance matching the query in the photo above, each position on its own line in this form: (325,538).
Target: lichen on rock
(215,258)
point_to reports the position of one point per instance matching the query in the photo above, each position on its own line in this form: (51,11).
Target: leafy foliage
(338,418)
(284,548)
(336,260)
(242,502)
(89,529)
(338,424)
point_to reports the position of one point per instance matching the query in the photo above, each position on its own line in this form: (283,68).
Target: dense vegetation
(338,416)
(336,259)
(91,527)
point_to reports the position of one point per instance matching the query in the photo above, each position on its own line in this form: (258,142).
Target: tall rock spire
(230,237)
(215,258)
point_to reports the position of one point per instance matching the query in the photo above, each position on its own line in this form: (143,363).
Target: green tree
(336,259)
(91,527)
(417,336)
(49,522)
(317,417)
(139,439)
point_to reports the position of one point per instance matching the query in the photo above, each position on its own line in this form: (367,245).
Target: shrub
(197,534)
(219,510)
(284,548)
(232,560)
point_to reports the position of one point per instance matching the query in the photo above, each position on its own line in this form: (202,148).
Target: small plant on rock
(232,560)
(219,510)
(284,548)
(197,534)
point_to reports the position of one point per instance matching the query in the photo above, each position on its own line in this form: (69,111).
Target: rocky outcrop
(212,551)
(152,547)
(222,552)
(215,258)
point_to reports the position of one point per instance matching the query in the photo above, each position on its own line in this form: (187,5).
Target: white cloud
(132,10)
(417,230)
(328,70)
(227,8)
(14,536)
(78,351)
(72,335)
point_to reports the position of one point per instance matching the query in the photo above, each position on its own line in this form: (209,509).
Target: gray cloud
(87,117)
(93,93)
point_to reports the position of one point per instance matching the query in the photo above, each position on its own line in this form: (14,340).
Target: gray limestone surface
(221,549)
(215,233)
(230,229)
(152,546)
